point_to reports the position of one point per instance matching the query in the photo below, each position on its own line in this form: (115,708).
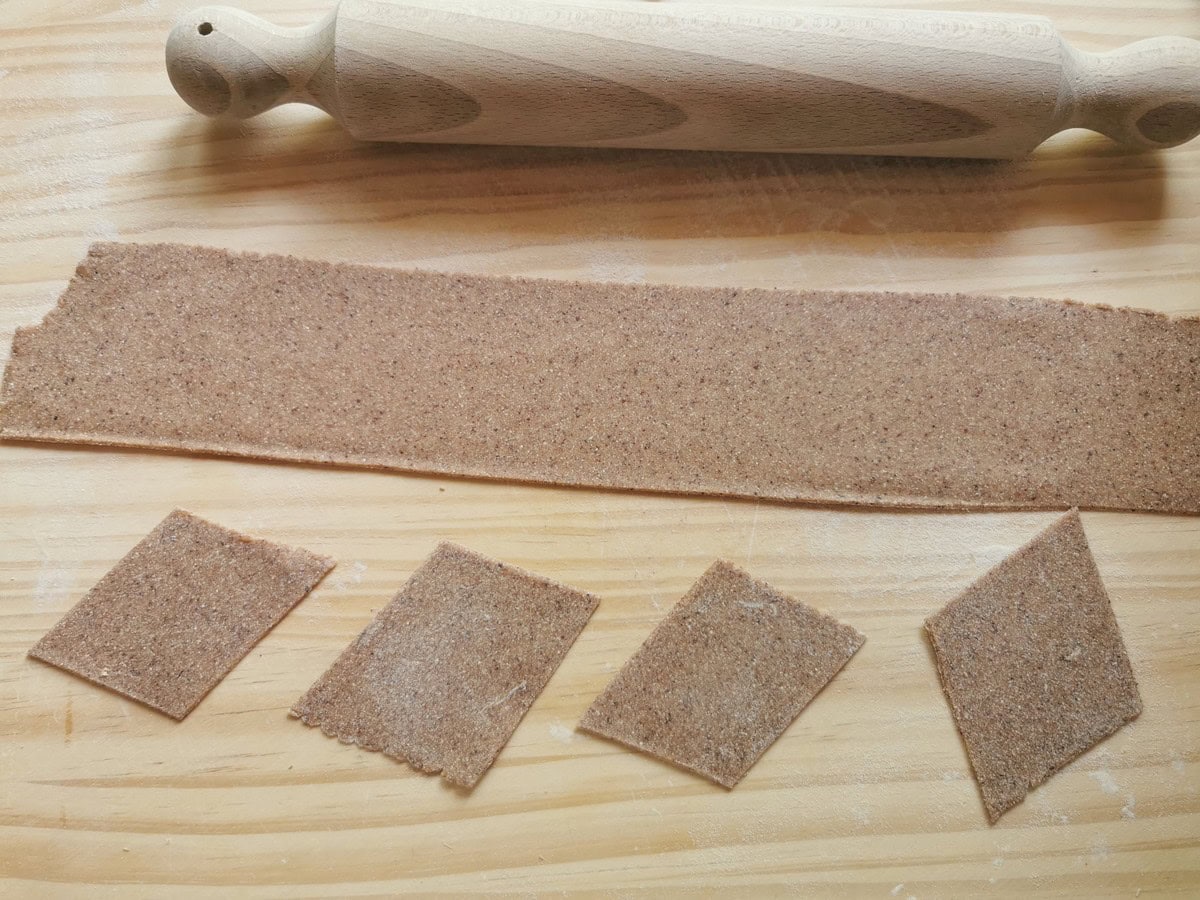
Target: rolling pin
(689,76)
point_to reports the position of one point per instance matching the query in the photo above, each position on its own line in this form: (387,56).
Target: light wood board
(868,794)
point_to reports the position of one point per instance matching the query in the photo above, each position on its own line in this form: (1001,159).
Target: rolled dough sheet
(446,671)
(1032,662)
(882,399)
(721,677)
(170,620)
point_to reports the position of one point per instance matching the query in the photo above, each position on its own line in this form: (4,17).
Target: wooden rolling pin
(689,76)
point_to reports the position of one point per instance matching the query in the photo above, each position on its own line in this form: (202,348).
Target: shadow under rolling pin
(693,77)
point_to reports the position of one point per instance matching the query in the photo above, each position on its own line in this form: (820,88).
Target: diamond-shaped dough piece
(170,620)
(1031,659)
(722,677)
(443,675)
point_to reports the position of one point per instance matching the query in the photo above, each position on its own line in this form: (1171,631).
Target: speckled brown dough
(170,620)
(1032,662)
(444,673)
(884,399)
(723,676)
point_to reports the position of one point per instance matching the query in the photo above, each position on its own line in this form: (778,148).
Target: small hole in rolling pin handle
(205,28)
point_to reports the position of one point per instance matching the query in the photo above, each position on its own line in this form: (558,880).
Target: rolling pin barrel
(702,77)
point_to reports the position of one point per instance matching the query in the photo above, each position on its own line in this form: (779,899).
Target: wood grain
(869,790)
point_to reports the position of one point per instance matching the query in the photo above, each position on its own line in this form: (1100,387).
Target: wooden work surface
(868,794)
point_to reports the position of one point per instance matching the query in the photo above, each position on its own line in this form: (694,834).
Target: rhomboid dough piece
(1032,662)
(170,620)
(446,671)
(725,673)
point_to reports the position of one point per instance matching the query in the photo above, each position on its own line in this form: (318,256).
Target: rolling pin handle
(227,63)
(1145,95)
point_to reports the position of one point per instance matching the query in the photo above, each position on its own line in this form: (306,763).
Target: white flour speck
(561,733)
(507,695)
(53,583)
(615,263)
(51,587)
(897,889)
(1127,810)
(989,555)
(1107,783)
(345,578)
(103,230)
